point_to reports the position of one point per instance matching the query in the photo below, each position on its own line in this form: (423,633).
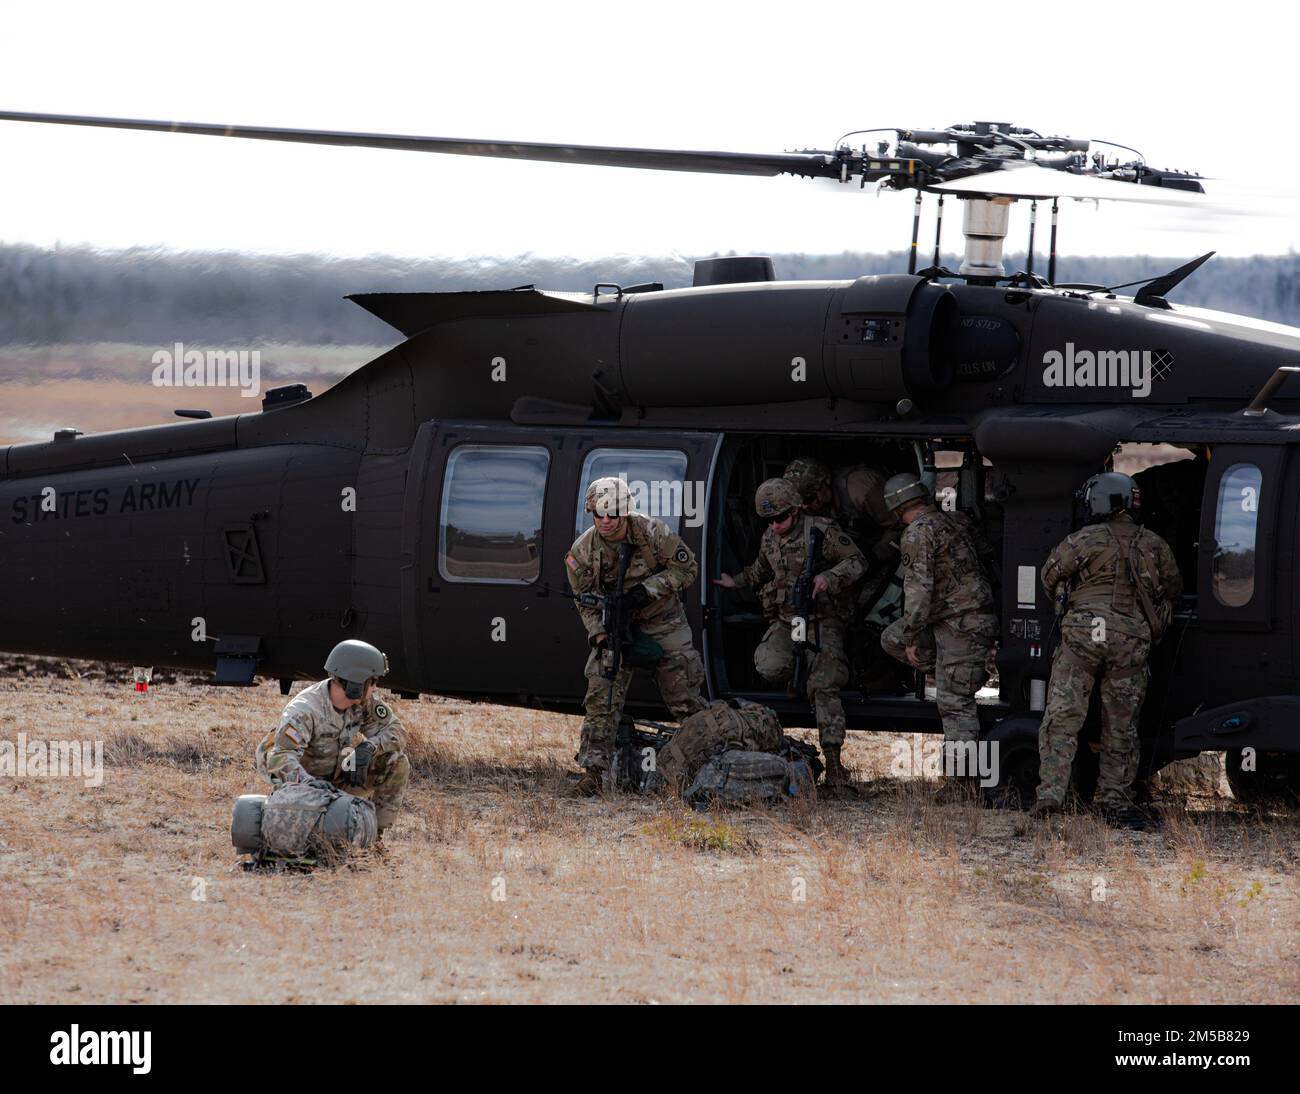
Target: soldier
(947,627)
(659,567)
(781,558)
(736,723)
(854,497)
(316,736)
(1122,582)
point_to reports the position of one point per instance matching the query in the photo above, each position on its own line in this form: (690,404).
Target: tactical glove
(361,757)
(638,597)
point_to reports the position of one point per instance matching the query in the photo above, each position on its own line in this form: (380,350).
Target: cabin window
(656,477)
(491,520)
(1235,522)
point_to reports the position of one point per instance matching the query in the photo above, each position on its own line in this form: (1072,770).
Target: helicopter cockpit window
(491,521)
(656,477)
(1236,518)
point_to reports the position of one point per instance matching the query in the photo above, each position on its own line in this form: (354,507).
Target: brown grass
(495,888)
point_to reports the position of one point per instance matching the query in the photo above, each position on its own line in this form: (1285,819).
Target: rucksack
(748,778)
(303,819)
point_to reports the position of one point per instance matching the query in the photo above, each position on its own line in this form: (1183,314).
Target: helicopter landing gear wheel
(1017,783)
(1274,780)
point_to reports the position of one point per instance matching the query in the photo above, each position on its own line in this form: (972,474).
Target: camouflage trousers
(828,672)
(708,732)
(1120,661)
(679,676)
(958,651)
(385,785)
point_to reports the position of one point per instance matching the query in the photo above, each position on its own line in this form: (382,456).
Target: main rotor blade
(1031,181)
(810,164)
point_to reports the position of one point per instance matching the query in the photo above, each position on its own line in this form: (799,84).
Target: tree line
(152,297)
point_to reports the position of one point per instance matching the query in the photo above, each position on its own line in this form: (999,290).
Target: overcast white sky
(1199,87)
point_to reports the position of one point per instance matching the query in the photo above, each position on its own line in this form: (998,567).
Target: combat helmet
(1109,493)
(609,497)
(775,498)
(808,476)
(355,663)
(904,487)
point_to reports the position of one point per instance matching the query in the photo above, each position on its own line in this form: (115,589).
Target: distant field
(626,900)
(107,385)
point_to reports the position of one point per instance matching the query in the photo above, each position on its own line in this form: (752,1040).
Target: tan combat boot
(590,785)
(838,780)
(1045,807)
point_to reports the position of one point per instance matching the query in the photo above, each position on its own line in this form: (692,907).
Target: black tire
(1017,784)
(1017,776)
(1275,780)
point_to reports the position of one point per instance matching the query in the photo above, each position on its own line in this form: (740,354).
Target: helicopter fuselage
(426,502)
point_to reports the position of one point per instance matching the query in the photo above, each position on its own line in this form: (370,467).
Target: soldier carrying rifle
(627,573)
(804,645)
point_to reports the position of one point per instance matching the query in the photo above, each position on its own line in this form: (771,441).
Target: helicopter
(426,501)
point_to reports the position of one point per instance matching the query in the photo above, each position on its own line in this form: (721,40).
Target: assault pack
(302,825)
(755,778)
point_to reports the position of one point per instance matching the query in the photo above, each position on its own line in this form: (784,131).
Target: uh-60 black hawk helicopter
(468,446)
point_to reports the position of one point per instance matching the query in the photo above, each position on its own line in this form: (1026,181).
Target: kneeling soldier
(316,735)
(657,566)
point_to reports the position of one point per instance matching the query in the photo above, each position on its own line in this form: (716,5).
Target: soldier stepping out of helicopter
(948,626)
(782,557)
(658,566)
(1118,582)
(855,498)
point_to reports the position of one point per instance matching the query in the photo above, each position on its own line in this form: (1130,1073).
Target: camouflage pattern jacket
(660,561)
(859,499)
(942,576)
(780,562)
(311,735)
(1111,567)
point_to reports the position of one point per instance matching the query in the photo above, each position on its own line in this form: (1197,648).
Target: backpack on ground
(302,820)
(748,778)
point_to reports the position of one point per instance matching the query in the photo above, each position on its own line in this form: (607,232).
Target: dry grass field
(494,888)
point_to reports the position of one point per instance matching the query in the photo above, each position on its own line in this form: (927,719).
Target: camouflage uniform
(1104,634)
(665,566)
(857,497)
(309,740)
(947,615)
(857,503)
(719,727)
(779,564)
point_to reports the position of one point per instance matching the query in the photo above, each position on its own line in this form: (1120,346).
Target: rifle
(614,616)
(806,609)
(630,742)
